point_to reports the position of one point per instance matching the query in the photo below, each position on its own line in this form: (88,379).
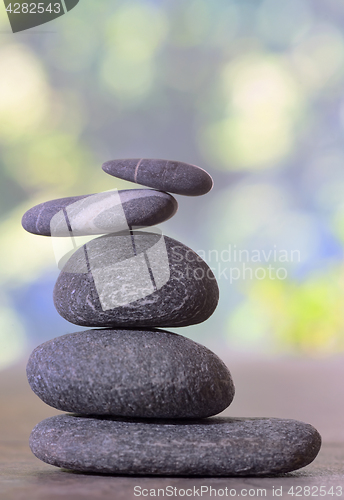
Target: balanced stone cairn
(139,398)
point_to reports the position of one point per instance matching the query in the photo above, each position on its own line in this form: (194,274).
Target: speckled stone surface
(210,447)
(130,373)
(167,175)
(100,213)
(136,280)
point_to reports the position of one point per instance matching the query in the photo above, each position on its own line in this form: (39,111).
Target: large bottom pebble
(210,447)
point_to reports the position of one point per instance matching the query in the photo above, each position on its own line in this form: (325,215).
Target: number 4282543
(316,491)
(34,8)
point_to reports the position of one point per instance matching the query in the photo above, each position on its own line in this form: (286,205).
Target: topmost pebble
(166,175)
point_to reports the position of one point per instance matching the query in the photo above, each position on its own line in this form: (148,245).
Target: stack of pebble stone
(139,397)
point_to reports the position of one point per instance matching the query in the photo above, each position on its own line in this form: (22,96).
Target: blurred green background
(250,90)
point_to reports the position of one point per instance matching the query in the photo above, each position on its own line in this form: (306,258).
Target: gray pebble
(100,213)
(211,447)
(134,280)
(130,373)
(167,175)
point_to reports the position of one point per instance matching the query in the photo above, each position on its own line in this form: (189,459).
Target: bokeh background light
(252,91)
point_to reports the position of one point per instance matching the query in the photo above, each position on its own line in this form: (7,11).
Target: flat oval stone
(166,175)
(100,213)
(210,447)
(134,280)
(130,373)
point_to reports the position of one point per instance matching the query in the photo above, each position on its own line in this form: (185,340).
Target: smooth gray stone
(211,447)
(134,280)
(167,175)
(100,213)
(130,373)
